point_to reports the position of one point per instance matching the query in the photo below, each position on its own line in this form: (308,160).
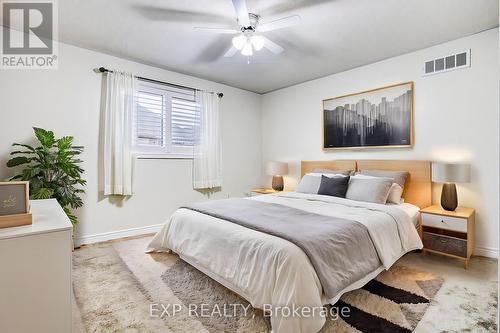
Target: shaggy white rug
(117,287)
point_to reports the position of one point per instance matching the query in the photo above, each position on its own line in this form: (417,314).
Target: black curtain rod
(105,70)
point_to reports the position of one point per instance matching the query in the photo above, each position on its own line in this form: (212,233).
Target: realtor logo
(28,32)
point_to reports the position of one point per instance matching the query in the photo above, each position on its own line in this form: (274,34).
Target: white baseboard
(90,239)
(485,251)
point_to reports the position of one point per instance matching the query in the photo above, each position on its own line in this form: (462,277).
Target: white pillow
(374,190)
(395,192)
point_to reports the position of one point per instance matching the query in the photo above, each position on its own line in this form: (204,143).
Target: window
(167,120)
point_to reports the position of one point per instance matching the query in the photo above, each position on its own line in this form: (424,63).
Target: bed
(273,272)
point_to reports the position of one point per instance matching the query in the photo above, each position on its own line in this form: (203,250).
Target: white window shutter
(167,120)
(150,119)
(185,121)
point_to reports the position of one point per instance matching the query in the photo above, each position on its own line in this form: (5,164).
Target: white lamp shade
(239,41)
(247,48)
(450,173)
(276,168)
(258,42)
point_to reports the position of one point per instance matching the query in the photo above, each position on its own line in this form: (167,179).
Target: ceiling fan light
(239,42)
(247,49)
(258,42)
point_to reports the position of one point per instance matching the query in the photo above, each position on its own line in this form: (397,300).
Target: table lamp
(449,174)
(277,170)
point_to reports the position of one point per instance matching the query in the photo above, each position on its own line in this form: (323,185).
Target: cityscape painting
(380,117)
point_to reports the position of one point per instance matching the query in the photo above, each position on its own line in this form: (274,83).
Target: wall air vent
(447,63)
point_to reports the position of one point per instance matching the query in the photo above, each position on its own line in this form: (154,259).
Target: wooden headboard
(308,166)
(418,186)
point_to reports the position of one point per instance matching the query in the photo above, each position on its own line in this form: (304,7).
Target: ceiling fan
(250,36)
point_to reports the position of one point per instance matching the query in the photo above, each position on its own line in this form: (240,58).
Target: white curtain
(207,161)
(118,133)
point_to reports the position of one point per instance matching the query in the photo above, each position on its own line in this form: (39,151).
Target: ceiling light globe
(247,49)
(239,42)
(258,42)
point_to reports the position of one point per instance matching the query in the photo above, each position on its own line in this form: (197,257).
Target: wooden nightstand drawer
(445,244)
(444,222)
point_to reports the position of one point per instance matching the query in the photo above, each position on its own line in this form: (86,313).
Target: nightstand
(449,233)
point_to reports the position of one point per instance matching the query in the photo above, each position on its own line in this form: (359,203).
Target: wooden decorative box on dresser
(450,233)
(35,272)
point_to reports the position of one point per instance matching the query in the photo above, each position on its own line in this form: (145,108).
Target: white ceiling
(334,35)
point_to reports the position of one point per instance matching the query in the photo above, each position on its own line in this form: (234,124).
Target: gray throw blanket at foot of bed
(341,251)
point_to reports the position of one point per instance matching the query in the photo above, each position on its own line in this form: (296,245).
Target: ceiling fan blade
(272,46)
(217,30)
(231,52)
(279,24)
(240,6)
(276,7)
(212,51)
(174,15)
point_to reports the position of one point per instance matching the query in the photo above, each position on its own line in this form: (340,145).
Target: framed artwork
(377,118)
(14,198)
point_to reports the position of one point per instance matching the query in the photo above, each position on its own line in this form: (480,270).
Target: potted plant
(52,170)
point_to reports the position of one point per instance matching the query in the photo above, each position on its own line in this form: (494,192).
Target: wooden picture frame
(375,118)
(14,204)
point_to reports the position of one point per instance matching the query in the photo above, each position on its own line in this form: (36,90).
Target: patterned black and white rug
(115,285)
(394,302)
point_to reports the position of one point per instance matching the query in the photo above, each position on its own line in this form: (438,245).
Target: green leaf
(42,193)
(22,152)
(73,219)
(17,161)
(26,174)
(23,145)
(65,142)
(36,183)
(33,172)
(46,138)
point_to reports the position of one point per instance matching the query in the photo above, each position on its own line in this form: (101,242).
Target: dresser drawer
(445,244)
(444,222)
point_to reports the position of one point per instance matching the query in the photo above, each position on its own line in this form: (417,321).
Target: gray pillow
(340,172)
(309,184)
(335,186)
(369,190)
(398,176)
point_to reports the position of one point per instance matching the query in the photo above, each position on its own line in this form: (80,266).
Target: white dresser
(35,272)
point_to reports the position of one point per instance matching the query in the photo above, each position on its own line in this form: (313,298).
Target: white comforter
(266,269)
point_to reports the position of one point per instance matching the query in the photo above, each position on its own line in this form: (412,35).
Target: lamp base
(278,183)
(449,197)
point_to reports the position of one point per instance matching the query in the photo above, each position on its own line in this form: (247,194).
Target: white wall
(456,119)
(67,101)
